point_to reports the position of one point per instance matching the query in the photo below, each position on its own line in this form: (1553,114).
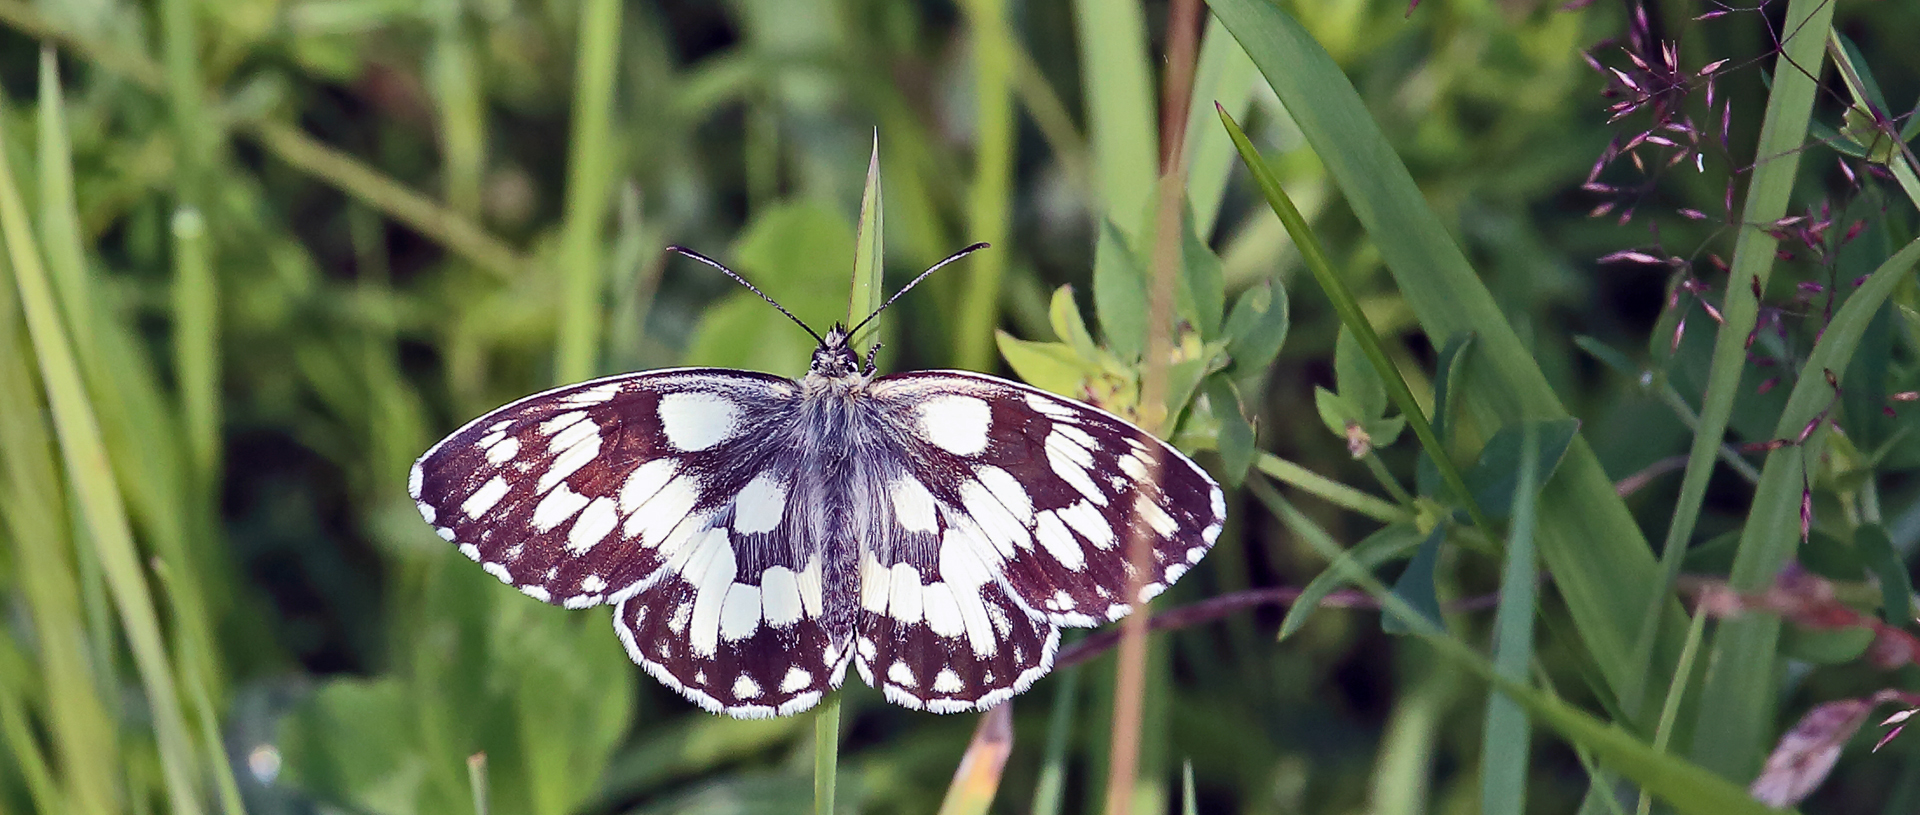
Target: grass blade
(989,201)
(826,755)
(196,342)
(99,497)
(1504,746)
(1051,790)
(589,179)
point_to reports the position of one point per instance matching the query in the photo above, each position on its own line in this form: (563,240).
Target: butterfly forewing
(1049,492)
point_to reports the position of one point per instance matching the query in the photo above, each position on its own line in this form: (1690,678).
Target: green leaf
(1505,739)
(1446,376)
(1203,284)
(1336,411)
(341,744)
(1119,294)
(1356,378)
(1049,366)
(1837,646)
(1064,314)
(1896,585)
(1388,543)
(1257,328)
(869,268)
(1494,478)
(1236,443)
(1415,585)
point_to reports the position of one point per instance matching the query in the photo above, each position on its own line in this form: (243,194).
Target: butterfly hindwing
(1049,491)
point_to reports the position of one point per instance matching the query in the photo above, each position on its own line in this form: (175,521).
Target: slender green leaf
(1415,586)
(1236,446)
(590,173)
(1504,750)
(1119,294)
(1389,543)
(1497,475)
(1896,586)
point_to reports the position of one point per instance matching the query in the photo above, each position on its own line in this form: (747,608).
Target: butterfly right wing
(663,492)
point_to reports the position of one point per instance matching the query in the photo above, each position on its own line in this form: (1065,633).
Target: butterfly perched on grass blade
(757,534)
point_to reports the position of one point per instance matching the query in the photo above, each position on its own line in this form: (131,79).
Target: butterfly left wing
(1050,491)
(998,513)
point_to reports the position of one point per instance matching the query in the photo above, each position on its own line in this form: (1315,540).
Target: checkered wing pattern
(663,493)
(1009,512)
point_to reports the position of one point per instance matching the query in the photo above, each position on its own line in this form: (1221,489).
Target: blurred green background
(293,242)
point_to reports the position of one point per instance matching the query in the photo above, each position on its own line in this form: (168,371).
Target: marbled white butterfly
(756,534)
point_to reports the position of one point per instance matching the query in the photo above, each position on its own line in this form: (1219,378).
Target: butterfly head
(834,358)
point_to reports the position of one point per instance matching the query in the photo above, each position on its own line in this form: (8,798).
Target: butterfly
(755,534)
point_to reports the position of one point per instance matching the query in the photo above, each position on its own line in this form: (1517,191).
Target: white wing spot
(1012,494)
(867,649)
(1149,510)
(644,482)
(899,674)
(594,395)
(964,575)
(678,622)
(1054,410)
(745,688)
(694,420)
(503,452)
(903,601)
(598,519)
(445,533)
(556,508)
(668,509)
(760,504)
(498,570)
(780,595)
(711,571)
(1001,528)
(561,422)
(594,584)
(913,507)
(1059,542)
(1071,462)
(415,476)
(946,681)
(957,424)
(943,614)
(810,588)
(1090,523)
(471,551)
(536,593)
(740,615)
(797,678)
(484,498)
(873,584)
(577,445)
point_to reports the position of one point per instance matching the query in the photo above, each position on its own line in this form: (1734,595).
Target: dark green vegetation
(259,255)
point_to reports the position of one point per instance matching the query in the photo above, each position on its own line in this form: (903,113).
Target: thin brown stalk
(1183,34)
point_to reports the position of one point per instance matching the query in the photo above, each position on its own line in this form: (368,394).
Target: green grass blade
(989,200)
(196,342)
(869,248)
(1504,744)
(1049,793)
(1600,561)
(1224,76)
(1686,786)
(1352,318)
(1119,102)
(826,755)
(589,178)
(1783,129)
(99,497)
(1737,703)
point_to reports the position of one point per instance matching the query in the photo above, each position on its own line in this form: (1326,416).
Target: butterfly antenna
(915,282)
(681,250)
